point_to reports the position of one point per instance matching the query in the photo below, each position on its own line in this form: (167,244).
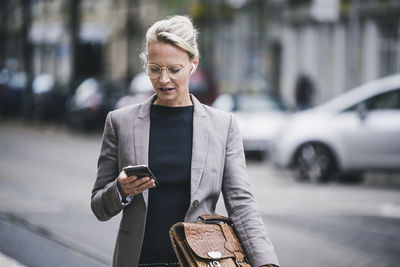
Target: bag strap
(234,246)
(214,218)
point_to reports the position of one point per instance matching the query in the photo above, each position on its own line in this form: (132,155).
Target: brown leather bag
(211,242)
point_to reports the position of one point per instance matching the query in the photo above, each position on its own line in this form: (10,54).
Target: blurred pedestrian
(194,151)
(304,92)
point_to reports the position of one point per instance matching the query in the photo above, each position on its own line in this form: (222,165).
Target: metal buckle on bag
(214,254)
(214,264)
(238,263)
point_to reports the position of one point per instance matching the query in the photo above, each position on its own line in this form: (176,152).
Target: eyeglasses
(173,71)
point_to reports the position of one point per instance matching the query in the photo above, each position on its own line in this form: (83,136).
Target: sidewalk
(8,262)
(36,246)
(45,216)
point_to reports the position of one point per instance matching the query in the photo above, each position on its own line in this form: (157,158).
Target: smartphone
(140,171)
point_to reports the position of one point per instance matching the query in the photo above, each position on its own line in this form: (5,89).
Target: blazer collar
(144,109)
(141,130)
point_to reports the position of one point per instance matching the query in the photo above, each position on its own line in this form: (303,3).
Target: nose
(164,78)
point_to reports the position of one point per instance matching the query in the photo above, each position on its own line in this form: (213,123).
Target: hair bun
(177,30)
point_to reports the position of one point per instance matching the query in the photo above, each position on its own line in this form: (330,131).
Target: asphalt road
(46,175)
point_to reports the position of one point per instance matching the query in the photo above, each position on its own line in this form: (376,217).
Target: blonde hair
(176,30)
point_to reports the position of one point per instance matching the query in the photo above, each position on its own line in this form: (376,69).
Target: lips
(165,89)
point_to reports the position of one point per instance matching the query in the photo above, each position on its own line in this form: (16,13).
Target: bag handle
(214,218)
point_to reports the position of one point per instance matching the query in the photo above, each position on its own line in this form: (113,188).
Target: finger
(129,180)
(142,187)
(147,185)
(137,183)
(133,191)
(140,181)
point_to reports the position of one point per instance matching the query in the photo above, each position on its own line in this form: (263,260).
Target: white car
(355,132)
(259,118)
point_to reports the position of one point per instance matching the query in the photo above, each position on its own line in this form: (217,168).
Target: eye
(174,69)
(154,69)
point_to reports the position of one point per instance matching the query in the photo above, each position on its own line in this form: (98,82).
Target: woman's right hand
(132,185)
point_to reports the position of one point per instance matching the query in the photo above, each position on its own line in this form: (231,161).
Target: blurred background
(313,84)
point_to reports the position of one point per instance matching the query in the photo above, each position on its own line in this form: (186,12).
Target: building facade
(339,44)
(245,45)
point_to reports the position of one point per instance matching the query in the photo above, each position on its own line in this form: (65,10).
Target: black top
(170,154)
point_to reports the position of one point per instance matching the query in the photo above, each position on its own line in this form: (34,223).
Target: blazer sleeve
(105,202)
(241,205)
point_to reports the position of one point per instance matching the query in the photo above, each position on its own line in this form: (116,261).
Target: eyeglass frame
(161,69)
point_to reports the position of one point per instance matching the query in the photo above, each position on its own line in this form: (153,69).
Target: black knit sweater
(170,154)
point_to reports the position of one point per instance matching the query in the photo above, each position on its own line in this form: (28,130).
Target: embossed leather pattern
(211,242)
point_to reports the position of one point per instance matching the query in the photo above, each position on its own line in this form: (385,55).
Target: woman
(194,151)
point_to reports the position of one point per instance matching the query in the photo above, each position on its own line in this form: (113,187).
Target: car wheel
(314,162)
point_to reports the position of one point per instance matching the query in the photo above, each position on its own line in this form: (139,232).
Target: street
(47,173)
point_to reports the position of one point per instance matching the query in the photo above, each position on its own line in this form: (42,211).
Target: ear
(195,63)
(193,68)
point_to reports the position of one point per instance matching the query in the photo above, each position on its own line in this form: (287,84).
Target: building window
(389,47)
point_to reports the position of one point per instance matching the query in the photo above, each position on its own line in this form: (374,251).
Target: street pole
(3,32)
(354,49)
(27,107)
(74,20)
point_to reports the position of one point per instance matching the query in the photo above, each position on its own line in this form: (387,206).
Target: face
(168,60)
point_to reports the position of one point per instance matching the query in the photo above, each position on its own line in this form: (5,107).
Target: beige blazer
(218,165)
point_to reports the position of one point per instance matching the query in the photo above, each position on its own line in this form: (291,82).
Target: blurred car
(89,105)
(48,102)
(355,132)
(259,117)
(201,85)
(12,88)
(140,89)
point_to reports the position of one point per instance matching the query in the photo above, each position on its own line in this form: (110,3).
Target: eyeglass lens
(154,71)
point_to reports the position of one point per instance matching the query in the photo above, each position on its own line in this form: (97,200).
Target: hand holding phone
(140,171)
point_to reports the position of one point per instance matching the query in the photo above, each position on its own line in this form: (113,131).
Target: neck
(187,101)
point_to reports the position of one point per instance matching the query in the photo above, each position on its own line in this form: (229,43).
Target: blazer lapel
(199,145)
(141,133)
